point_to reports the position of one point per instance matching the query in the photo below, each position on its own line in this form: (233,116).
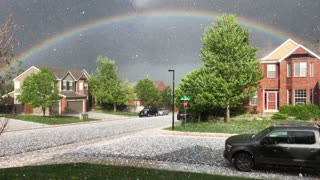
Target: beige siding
(281,52)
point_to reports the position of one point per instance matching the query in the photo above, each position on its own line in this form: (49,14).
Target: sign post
(185,100)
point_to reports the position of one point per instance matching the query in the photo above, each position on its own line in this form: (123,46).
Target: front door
(271,101)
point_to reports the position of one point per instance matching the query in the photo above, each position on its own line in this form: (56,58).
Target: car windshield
(261,133)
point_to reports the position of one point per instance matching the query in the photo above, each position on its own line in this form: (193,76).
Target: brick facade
(276,89)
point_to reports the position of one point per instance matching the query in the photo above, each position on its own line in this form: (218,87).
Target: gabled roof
(26,71)
(284,51)
(281,51)
(75,73)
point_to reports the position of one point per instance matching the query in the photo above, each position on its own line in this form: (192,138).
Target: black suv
(148,112)
(291,144)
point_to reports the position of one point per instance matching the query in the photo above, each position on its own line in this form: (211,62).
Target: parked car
(181,116)
(148,112)
(292,145)
(162,112)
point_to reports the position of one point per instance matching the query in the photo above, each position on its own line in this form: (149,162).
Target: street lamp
(172,70)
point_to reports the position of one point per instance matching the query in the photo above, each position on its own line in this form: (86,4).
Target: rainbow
(252,25)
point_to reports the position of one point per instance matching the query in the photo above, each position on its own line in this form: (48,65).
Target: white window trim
(275,70)
(256,97)
(289,67)
(295,72)
(311,69)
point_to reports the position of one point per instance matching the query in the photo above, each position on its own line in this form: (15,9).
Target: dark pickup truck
(289,145)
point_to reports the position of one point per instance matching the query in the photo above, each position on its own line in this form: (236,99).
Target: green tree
(166,97)
(193,86)
(106,85)
(147,92)
(130,94)
(40,90)
(230,64)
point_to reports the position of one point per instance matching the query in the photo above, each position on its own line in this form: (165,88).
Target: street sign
(185,104)
(185,98)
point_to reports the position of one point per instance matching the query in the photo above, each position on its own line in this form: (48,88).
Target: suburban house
(291,76)
(73,91)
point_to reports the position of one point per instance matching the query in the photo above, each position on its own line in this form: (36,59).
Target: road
(126,141)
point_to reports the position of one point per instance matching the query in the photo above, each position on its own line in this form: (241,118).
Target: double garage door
(75,107)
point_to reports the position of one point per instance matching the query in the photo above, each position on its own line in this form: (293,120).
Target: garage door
(74,107)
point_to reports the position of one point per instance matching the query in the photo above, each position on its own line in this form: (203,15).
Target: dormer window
(67,85)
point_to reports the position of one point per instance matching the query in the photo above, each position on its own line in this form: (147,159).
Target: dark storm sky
(146,46)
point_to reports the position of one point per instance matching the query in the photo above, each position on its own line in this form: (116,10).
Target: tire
(243,162)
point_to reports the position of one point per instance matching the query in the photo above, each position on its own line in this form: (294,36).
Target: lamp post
(172,70)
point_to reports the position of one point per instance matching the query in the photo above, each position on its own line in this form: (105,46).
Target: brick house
(291,76)
(73,91)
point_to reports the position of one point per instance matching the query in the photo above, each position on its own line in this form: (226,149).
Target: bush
(98,107)
(279,116)
(303,112)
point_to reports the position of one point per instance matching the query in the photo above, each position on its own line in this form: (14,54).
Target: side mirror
(265,141)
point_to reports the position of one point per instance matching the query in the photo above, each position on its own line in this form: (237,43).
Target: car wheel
(148,115)
(243,162)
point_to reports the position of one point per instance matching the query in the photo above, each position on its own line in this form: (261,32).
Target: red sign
(185,104)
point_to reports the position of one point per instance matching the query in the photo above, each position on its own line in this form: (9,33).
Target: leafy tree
(166,96)
(147,92)
(130,94)
(40,90)
(106,85)
(193,86)
(232,72)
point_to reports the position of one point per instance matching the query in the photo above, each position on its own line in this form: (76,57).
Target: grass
(122,113)
(93,171)
(234,127)
(50,120)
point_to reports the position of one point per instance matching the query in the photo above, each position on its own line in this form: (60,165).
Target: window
(300,69)
(289,96)
(271,68)
(85,86)
(67,85)
(277,137)
(300,96)
(311,96)
(16,84)
(64,85)
(254,100)
(311,69)
(289,70)
(80,86)
(301,137)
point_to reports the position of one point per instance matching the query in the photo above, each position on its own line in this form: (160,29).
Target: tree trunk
(43,111)
(199,117)
(114,107)
(227,120)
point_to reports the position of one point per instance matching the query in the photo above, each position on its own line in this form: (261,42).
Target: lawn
(122,113)
(50,120)
(93,171)
(234,127)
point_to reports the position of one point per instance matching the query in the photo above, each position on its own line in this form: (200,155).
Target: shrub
(303,112)
(98,107)
(279,116)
